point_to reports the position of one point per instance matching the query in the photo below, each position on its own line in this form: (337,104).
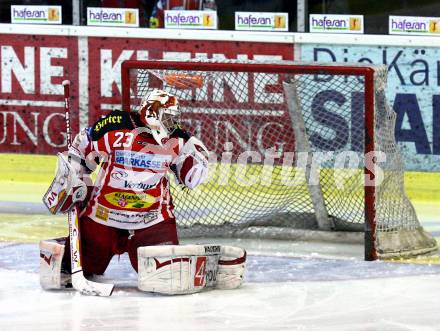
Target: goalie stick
(79,282)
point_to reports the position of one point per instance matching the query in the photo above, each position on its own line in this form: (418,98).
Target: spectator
(157,15)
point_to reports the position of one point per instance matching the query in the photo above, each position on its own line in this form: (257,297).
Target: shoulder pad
(180,132)
(116,120)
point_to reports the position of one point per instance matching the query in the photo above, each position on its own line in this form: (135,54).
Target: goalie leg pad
(177,269)
(231,267)
(51,256)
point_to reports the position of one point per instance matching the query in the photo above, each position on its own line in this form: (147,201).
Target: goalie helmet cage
(287,118)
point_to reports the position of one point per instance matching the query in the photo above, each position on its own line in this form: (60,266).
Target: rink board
(26,177)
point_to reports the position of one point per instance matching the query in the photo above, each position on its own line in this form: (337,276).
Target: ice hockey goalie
(129,207)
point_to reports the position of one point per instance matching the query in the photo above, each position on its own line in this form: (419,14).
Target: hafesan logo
(53,14)
(190,19)
(265,21)
(208,20)
(130,17)
(434,26)
(36,14)
(112,16)
(355,24)
(279,22)
(330,23)
(129,200)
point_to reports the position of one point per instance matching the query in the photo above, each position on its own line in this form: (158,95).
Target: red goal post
(196,84)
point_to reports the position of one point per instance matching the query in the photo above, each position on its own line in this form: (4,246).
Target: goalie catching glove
(191,165)
(190,268)
(66,188)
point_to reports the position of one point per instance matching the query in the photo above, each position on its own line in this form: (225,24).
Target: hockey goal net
(293,146)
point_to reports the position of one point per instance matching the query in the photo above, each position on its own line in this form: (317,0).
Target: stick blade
(87,287)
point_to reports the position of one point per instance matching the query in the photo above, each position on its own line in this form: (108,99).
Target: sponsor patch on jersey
(134,180)
(111,119)
(129,217)
(142,160)
(119,174)
(137,186)
(102,213)
(129,200)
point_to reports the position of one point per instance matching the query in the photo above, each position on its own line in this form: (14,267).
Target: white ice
(282,291)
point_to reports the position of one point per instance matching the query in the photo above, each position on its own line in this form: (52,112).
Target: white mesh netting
(287,150)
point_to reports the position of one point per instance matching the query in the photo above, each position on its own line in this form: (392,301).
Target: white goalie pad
(231,267)
(66,188)
(188,268)
(51,256)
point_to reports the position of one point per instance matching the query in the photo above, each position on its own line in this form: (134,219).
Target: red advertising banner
(105,87)
(31,94)
(33,68)
(107,56)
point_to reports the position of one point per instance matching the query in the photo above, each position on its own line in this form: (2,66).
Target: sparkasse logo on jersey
(142,160)
(36,14)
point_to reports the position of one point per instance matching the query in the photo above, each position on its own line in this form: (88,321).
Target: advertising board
(36,14)
(33,68)
(31,104)
(261,21)
(190,19)
(423,26)
(326,23)
(101,16)
(412,91)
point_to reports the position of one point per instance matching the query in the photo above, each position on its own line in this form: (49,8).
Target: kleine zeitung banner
(31,91)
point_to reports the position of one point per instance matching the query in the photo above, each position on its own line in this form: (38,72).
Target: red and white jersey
(132,189)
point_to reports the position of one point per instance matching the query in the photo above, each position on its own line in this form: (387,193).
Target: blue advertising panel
(413,91)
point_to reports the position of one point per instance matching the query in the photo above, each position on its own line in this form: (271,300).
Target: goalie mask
(160,113)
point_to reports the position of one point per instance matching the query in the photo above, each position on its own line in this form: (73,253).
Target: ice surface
(282,292)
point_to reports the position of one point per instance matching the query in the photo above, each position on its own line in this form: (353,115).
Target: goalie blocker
(188,269)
